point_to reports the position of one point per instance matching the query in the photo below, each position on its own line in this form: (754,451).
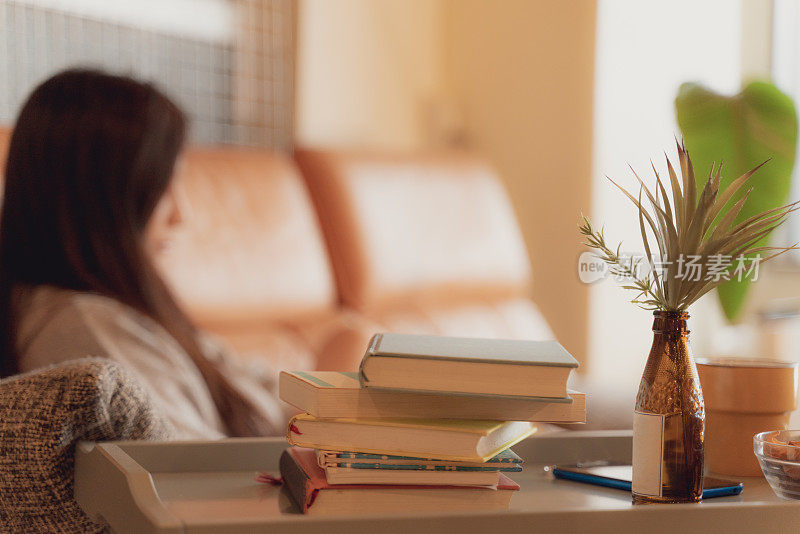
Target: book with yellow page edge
(445,439)
(333,394)
(509,367)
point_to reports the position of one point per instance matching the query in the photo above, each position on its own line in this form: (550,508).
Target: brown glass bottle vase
(669,418)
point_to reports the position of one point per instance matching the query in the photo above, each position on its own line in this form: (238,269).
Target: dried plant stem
(628,270)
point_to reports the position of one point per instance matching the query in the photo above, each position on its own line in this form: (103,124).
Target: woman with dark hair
(89,199)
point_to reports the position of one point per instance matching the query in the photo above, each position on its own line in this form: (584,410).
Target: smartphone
(620,476)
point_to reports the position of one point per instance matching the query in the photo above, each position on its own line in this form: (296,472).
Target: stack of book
(426,424)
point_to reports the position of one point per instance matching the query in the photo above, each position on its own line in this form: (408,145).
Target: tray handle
(106,478)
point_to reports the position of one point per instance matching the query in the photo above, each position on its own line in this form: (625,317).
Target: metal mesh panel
(205,77)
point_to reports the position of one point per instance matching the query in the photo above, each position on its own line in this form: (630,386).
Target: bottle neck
(670,322)
(670,339)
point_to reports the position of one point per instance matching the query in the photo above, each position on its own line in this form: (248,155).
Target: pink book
(305,480)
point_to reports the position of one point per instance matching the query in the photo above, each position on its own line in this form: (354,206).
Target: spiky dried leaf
(685,226)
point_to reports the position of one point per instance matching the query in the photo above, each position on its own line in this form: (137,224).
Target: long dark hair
(90,157)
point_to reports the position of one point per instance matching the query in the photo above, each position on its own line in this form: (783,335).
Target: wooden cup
(743,398)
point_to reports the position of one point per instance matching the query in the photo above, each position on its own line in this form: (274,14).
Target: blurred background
(556,95)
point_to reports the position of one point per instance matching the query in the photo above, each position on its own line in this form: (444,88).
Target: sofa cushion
(516,318)
(415,227)
(251,249)
(510,318)
(44,415)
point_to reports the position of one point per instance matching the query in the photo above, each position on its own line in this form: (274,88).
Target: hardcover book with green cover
(447,439)
(467,365)
(329,394)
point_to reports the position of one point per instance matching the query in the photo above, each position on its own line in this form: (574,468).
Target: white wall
(367,71)
(202,19)
(530,113)
(645,50)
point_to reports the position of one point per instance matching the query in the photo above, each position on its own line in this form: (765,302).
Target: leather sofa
(301,260)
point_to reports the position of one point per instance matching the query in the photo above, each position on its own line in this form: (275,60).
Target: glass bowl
(780,461)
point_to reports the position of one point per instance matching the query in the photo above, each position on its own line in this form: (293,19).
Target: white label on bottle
(648,453)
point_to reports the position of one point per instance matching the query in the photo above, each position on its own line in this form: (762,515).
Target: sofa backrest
(417,243)
(420,227)
(251,248)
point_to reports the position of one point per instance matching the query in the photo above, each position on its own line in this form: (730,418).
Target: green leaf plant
(704,225)
(742,131)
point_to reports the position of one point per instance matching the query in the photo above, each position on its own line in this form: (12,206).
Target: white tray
(205,487)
